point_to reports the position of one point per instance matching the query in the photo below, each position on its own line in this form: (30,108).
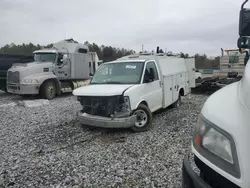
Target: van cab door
(152,88)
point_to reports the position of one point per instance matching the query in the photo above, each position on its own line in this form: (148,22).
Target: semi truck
(124,93)
(220,152)
(60,69)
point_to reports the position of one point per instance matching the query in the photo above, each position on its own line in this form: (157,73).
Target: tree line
(105,53)
(109,53)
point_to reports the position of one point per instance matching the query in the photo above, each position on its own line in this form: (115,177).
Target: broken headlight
(126,104)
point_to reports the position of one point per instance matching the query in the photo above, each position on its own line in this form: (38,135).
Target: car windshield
(45,57)
(118,73)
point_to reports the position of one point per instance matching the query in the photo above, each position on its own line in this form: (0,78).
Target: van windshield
(118,73)
(45,57)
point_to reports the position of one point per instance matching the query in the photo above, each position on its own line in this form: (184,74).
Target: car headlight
(216,145)
(126,104)
(30,81)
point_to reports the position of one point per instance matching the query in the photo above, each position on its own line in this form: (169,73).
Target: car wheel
(143,119)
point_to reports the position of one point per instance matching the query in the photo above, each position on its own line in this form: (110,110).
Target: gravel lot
(46,147)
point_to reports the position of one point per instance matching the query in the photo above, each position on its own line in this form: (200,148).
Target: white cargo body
(125,92)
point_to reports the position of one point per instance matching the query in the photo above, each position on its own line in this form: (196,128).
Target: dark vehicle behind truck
(6,61)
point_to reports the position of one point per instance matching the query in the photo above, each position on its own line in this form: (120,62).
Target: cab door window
(151,72)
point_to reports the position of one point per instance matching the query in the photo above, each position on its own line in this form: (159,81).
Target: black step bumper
(189,178)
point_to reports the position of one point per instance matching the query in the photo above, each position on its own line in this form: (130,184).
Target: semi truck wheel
(144,119)
(48,90)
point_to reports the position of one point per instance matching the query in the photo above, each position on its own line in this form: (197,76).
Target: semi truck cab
(62,68)
(220,153)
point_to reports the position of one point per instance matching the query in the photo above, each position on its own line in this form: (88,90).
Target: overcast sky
(191,26)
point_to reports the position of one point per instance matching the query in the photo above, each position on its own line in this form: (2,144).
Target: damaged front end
(105,106)
(106,111)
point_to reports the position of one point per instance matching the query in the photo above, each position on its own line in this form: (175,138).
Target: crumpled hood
(101,90)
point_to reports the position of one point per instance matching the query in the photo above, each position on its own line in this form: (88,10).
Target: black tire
(142,111)
(177,103)
(48,90)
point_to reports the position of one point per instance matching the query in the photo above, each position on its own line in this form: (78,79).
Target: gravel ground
(46,147)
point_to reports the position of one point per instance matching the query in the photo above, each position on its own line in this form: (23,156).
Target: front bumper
(205,176)
(189,178)
(98,121)
(22,89)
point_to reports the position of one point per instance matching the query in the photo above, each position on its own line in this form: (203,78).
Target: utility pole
(142,48)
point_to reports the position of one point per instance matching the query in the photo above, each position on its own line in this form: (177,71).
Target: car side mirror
(244,21)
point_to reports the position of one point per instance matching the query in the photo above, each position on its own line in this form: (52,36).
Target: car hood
(101,90)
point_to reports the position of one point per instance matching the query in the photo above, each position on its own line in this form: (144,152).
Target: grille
(13,77)
(101,106)
(14,87)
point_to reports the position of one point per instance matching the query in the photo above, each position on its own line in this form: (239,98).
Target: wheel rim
(141,118)
(51,91)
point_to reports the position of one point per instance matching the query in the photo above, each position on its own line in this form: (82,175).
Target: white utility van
(125,92)
(220,153)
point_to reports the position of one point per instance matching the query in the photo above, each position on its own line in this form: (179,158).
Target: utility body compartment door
(168,90)
(175,87)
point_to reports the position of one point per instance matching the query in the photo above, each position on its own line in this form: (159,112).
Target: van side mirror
(151,73)
(147,79)
(149,76)
(244,21)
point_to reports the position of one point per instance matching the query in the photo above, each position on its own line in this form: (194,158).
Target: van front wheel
(143,119)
